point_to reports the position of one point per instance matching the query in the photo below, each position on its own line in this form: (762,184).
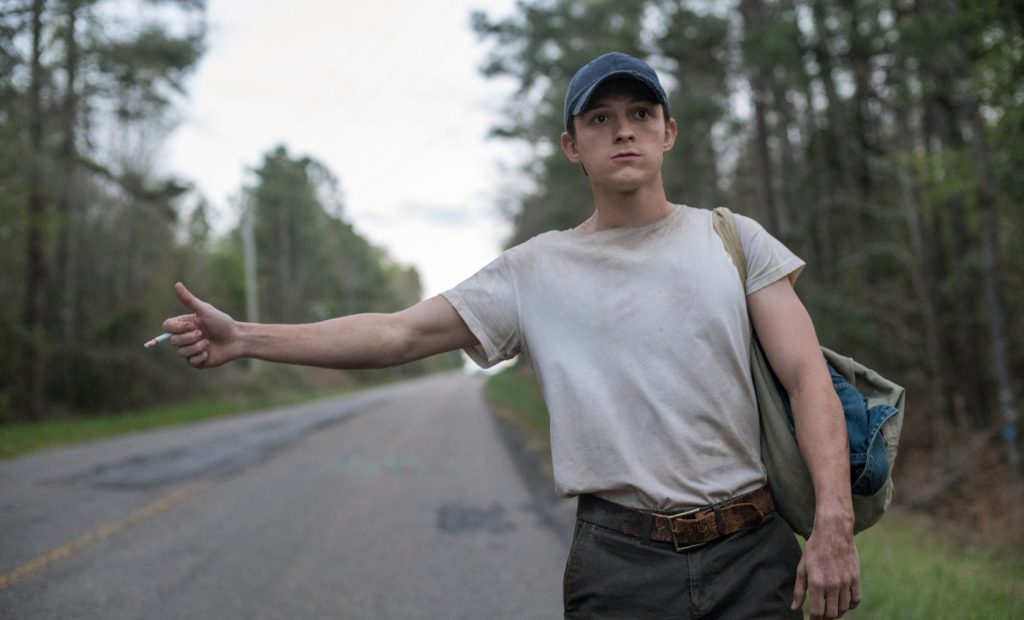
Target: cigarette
(157,340)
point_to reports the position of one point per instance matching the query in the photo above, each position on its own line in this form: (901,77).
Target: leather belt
(685,530)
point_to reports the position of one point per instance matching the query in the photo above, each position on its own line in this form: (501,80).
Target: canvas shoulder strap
(724,223)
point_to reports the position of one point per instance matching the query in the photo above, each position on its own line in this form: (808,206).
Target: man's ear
(569,147)
(671,130)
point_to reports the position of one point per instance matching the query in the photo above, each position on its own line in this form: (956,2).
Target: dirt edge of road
(555,512)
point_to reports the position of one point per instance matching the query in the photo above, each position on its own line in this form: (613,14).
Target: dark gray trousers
(747,575)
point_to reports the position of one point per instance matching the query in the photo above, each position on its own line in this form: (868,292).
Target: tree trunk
(752,13)
(959,276)
(997,335)
(860,148)
(837,129)
(285,268)
(790,176)
(67,292)
(34,318)
(922,279)
(962,305)
(821,198)
(922,276)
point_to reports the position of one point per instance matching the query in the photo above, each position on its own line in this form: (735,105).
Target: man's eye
(600,118)
(643,114)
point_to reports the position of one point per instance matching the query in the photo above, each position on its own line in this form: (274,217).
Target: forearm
(361,340)
(357,341)
(787,335)
(821,434)
(829,570)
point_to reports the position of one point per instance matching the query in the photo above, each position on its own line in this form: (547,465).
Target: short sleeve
(768,259)
(488,304)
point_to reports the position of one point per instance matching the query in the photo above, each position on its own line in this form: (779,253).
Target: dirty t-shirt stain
(640,339)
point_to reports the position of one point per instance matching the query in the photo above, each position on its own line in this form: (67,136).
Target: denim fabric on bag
(869,461)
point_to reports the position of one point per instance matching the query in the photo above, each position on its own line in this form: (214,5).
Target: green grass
(909,570)
(515,396)
(23,438)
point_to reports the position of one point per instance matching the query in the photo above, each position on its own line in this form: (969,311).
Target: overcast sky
(387,94)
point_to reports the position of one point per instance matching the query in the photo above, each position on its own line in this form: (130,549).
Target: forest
(879,139)
(93,234)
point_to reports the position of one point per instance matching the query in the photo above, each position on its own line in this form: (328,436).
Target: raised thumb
(187,299)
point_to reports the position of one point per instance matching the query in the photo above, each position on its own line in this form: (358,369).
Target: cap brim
(584,99)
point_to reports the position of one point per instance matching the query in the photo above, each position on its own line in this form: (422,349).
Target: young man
(637,325)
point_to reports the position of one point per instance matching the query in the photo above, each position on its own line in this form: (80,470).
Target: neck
(616,209)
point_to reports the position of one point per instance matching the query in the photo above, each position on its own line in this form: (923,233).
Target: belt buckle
(681,515)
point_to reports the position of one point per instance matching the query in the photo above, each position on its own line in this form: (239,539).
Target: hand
(829,572)
(207,338)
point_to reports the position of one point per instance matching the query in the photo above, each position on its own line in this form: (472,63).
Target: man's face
(621,138)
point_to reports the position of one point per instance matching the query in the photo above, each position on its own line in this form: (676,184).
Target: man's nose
(624,131)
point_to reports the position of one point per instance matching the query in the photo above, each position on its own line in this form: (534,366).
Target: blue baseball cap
(600,70)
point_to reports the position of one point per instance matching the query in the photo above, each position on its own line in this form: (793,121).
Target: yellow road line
(108,530)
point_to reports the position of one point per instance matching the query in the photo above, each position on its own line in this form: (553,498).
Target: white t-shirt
(641,344)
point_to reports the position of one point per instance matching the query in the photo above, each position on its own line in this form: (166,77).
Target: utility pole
(252,306)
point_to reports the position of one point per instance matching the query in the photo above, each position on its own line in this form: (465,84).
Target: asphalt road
(403,502)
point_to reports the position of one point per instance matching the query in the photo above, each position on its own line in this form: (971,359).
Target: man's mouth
(626,155)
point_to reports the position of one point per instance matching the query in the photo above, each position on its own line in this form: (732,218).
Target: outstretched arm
(829,572)
(208,337)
